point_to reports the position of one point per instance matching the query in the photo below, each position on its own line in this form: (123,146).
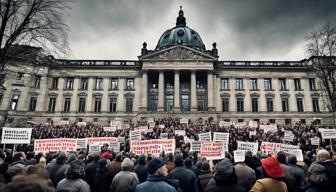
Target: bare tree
(38,23)
(321,47)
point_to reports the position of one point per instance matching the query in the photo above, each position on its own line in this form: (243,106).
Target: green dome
(180,35)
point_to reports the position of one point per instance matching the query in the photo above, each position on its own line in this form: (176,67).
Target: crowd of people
(182,171)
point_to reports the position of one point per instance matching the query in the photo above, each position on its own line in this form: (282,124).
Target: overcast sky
(242,29)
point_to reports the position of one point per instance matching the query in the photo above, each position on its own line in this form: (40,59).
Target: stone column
(193,91)
(210,91)
(89,99)
(177,91)
(121,105)
(74,99)
(105,107)
(144,101)
(161,91)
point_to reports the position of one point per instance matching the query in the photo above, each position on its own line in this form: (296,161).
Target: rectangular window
(282,84)
(69,83)
(169,102)
(316,106)
(113,104)
(269,105)
(200,84)
(114,83)
(312,84)
(153,102)
(200,105)
(32,103)
(268,84)
(254,84)
(169,85)
(81,105)
(99,83)
(52,104)
(130,83)
(225,104)
(37,81)
(254,105)
(240,105)
(66,107)
(54,83)
(297,84)
(19,76)
(185,103)
(129,104)
(84,83)
(15,101)
(225,84)
(97,105)
(299,104)
(285,107)
(239,84)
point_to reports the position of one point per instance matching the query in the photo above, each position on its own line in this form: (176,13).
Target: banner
(81,143)
(153,146)
(195,146)
(110,129)
(100,140)
(184,121)
(221,137)
(315,140)
(253,124)
(225,124)
(205,137)
(288,136)
(180,132)
(248,146)
(240,125)
(81,124)
(328,133)
(269,148)
(212,150)
(16,135)
(60,144)
(135,135)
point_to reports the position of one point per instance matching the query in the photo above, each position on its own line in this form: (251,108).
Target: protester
(103,177)
(323,158)
(297,172)
(141,169)
(205,175)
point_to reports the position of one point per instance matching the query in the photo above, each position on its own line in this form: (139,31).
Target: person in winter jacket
(298,173)
(205,176)
(73,180)
(157,178)
(141,169)
(323,158)
(273,175)
(317,178)
(126,180)
(104,176)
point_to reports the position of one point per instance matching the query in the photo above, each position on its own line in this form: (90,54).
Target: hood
(127,164)
(316,175)
(272,168)
(224,173)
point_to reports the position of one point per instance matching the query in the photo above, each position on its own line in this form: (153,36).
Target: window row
(98,83)
(269,104)
(225,85)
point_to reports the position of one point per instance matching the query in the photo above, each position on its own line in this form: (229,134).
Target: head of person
(75,170)
(271,168)
(225,173)
(178,160)
(157,166)
(291,159)
(322,155)
(127,164)
(205,167)
(281,157)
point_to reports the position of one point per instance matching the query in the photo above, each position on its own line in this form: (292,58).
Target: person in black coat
(141,169)
(104,176)
(90,171)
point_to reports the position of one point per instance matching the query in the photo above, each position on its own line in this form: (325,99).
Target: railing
(97,62)
(262,63)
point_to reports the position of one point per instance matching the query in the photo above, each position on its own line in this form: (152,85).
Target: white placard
(60,144)
(248,146)
(205,137)
(288,148)
(164,135)
(180,132)
(288,136)
(64,122)
(298,154)
(315,140)
(328,133)
(184,121)
(120,139)
(110,129)
(135,135)
(151,125)
(239,156)
(162,126)
(94,149)
(225,124)
(221,137)
(81,143)
(195,145)
(152,146)
(16,135)
(251,133)
(253,124)
(212,150)
(240,125)
(81,124)
(115,146)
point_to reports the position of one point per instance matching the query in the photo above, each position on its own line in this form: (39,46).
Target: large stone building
(179,78)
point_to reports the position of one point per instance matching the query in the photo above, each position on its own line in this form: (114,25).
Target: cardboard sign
(247,146)
(135,135)
(180,132)
(60,144)
(205,137)
(195,146)
(288,136)
(269,148)
(315,140)
(81,143)
(184,121)
(239,156)
(253,124)
(221,137)
(110,129)
(153,146)
(16,135)
(298,154)
(328,133)
(212,150)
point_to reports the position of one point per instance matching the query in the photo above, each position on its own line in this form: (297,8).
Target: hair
(281,157)
(27,183)
(291,159)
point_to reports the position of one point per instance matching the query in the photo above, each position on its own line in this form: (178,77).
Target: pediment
(178,53)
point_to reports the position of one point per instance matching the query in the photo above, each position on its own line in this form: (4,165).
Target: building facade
(179,78)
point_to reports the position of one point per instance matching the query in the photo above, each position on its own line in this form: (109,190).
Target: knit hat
(224,172)
(75,170)
(106,155)
(154,164)
(127,164)
(178,159)
(272,167)
(102,166)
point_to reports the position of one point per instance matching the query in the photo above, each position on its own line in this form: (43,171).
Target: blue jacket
(156,183)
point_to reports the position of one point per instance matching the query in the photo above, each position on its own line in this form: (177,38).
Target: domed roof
(180,35)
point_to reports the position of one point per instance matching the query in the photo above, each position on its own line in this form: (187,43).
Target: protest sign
(288,136)
(152,146)
(195,145)
(247,146)
(269,128)
(16,135)
(94,148)
(212,150)
(162,126)
(151,125)
(328,133)
(164,135)
(221,137)
(180,132)
(184,121)
(205,137)
(239,156)
(287,148)
(110,129)
(100,140)
(60,144)
(135,135)
(253,124)
(240,125)
(120,139)
(269,148)
(81,143)
(315,140)
(64,122)
(115,146)
(298,154)
(225,124)
(142,129)
(81,124)
(251,133)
